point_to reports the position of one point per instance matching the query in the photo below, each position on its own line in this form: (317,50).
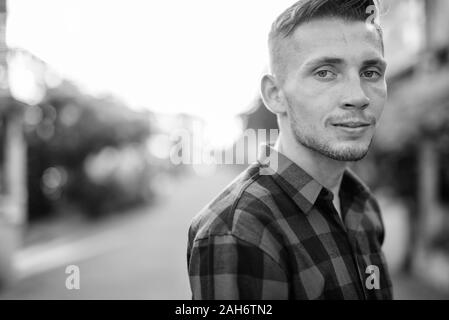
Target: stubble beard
(346,154)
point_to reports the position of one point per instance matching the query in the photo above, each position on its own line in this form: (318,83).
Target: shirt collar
(299,185)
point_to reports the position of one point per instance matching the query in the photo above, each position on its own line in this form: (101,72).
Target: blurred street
(138,255)
(141,255)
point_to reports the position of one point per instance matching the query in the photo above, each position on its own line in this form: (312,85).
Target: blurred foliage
(62,132)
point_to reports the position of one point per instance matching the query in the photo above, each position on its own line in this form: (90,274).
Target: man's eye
(371,74)
(325,74)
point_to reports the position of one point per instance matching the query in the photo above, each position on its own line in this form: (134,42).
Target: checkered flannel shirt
(278,236)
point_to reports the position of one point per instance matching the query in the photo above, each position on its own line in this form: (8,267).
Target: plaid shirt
(278,236)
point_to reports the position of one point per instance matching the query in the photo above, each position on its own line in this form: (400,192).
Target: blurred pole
(427,198)
(13,165)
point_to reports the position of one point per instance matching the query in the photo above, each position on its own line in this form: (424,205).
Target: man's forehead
(331,36)
(334,31)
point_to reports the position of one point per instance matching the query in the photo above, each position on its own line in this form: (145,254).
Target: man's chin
(345,153)
(347,156)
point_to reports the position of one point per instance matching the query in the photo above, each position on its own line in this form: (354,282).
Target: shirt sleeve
(228,268)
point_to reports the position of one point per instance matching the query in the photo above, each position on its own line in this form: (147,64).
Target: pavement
(139,254)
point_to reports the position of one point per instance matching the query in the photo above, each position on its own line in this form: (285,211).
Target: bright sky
(203,57)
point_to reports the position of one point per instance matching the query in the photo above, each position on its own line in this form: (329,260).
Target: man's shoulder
(243,209)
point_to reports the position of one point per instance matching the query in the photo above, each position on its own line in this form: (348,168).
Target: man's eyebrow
(322,61)
(375,62)
(331,60)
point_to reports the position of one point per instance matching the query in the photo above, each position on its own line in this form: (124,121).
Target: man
(310,229)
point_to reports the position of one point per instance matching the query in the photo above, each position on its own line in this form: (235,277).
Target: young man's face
(334,86)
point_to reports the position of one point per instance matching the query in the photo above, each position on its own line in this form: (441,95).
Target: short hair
(307,10)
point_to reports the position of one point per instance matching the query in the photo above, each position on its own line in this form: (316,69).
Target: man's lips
(352,124)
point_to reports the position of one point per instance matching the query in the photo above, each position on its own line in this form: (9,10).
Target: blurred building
(416,120)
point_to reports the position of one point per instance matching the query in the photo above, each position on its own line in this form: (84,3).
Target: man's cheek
(379,92)
(378,112)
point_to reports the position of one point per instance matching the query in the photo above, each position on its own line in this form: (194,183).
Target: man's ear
(272,95)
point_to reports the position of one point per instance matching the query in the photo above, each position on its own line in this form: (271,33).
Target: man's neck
(326,171)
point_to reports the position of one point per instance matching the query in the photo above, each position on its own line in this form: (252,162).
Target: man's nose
(354,96)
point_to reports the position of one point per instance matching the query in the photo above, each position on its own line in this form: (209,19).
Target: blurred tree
(63,130)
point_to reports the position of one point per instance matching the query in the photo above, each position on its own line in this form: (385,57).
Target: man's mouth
(352,124)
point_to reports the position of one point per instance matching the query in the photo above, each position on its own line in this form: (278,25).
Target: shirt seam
(252,245)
